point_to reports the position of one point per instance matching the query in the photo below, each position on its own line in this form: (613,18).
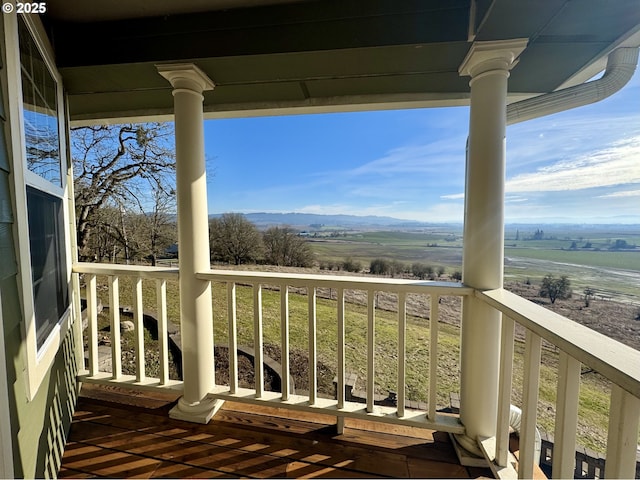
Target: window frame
(38,360)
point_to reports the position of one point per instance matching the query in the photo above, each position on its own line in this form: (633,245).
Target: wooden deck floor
(124,435)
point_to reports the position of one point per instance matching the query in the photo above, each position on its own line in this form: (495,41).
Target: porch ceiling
(320,55)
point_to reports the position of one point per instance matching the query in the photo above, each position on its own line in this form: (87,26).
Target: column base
(200,412)
(468,451)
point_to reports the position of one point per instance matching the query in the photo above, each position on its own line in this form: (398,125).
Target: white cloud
(564,136)
(514,199)
(453,196)
(615,165)
(429,158)
(623,194)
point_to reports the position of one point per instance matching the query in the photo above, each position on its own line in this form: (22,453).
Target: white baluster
(163,338)
(114,309)
(371,345)
(284,334)
(433,356)
(622,441)
(139,329)
(341,362)
(504,391)
(257,340)
(402,351)
(313,346)
(92,319)
(233,337)
(564,447)
(530,404)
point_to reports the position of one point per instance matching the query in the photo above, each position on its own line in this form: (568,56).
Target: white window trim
(38,361)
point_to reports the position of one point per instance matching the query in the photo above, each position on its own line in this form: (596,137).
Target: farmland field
(436,247)
(626,260)
(587,256)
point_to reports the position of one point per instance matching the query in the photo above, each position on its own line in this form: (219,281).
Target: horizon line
(567,221)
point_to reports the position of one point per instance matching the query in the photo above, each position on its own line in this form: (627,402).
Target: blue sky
(580,166)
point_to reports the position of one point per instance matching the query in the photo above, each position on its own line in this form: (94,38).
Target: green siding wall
(39,427)
(8,264)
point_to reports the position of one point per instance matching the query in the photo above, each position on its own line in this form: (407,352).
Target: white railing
(340,407)
(578,345)
(313,401)
(113,274)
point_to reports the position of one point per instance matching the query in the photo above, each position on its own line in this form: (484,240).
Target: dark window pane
(48,261)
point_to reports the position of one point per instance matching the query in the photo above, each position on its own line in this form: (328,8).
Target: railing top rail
(351,282)
(126,270)
(616,361)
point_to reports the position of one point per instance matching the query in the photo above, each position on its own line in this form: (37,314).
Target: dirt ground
(614,319)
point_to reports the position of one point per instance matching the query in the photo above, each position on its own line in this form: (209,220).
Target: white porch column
(488,64)
(196,317)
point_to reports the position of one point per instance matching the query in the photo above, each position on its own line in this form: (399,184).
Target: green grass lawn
(355,338)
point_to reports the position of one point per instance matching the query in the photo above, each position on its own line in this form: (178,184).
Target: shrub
(379,266)
(350,265)
(396,268)
(422,271)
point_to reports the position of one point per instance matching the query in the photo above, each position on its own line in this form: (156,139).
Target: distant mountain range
(312,220)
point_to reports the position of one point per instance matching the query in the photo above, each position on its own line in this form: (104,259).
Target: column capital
(492,55)
(186,76)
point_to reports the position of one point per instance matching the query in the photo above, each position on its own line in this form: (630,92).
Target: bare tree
(156,230)
(284,247)
(555,288)
(589,294)
(105,242)
(128,236)
(235,239)
(117,166)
